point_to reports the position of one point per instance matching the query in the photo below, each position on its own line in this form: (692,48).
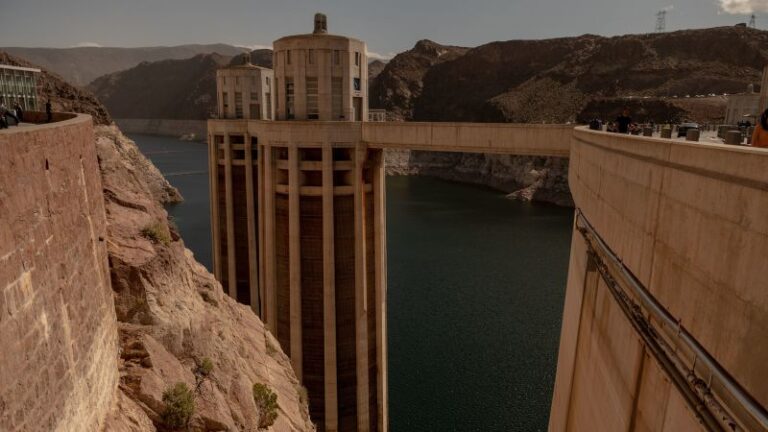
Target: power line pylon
(661,21)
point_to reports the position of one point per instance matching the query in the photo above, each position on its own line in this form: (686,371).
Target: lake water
(476,286)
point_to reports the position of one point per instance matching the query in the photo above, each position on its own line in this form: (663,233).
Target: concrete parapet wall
(689,221)
(58,330)
(163,127)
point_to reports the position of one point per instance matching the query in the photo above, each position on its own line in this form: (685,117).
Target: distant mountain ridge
(555,80)
(81,65)
(551,80)
(167,89)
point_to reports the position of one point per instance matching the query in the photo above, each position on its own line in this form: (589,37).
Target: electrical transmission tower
(661,21)
(752,20)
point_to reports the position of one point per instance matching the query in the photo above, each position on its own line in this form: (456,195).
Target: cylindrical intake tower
(320,76)
(298,223)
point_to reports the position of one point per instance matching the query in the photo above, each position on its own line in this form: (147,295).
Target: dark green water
(476,286)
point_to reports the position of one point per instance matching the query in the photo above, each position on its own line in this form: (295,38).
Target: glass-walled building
(19,84)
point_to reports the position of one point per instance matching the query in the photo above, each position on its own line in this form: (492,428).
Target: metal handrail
(659,313)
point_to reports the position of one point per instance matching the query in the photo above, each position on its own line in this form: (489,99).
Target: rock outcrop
(374,69)
(140,167)
(399,85)
(173,315)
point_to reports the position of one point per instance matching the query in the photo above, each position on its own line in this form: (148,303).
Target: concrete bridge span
(668,232)
(495,138)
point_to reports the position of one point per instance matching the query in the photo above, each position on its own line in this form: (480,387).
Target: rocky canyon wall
(173,315)
(525,178)
(57,320)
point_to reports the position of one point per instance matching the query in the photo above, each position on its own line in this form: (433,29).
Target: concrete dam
(665,324)
(665,318)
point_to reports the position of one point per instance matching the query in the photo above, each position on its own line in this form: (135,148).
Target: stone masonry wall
(58,330)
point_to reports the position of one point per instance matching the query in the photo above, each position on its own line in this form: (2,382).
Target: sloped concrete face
(58,329)
(688,220)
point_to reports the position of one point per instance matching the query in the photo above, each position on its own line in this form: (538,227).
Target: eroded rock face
(172,314)
(524,178)
(136,165)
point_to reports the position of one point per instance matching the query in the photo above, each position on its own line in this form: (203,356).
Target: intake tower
(298,219)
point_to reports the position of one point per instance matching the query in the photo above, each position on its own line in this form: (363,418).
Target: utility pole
(661,21)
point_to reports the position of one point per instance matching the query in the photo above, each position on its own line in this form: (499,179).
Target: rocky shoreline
(524,178)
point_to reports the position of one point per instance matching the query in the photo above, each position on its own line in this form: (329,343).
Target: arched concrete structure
(688,223)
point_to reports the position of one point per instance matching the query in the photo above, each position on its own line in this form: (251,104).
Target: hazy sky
(389,26)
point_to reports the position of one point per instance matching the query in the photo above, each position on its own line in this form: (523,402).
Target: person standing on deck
(760,135)
(623,121)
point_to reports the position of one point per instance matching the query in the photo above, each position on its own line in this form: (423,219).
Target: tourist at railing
(624,121)
(5,113)
(760,135)
(19,111)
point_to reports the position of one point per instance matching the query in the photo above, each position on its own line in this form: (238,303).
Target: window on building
(268,100)
(337,57)
(312,108)
(356,83)
(267,81)
(357,58)
(224,104)
(254,96)
(288,56)
(238,105)
(289,113)
(336,97)
(311,56)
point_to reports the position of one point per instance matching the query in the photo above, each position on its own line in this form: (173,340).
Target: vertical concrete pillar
(269,239)
(213,183)
(294,265)
(329,295)
(231,262)
(260,226)
(380,250)
(324,67)
(361,297)
(253,255)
